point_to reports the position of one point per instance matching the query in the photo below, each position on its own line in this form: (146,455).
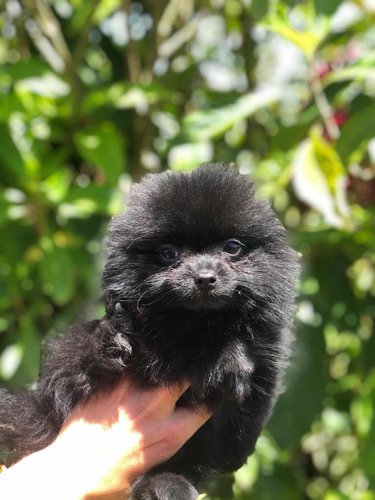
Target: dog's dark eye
(169,254)
(233,247)
(119,309)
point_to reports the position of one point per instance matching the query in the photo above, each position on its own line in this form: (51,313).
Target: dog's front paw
(117,350)
(163,486)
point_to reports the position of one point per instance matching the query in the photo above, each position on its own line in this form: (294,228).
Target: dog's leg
(163,486)
(77,364)
(24,427)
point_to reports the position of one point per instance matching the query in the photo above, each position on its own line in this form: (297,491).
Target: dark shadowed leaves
(58,272)
(358,128)
(12,169)
(297,408)
(103,147)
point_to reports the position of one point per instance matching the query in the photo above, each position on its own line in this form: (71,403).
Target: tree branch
(131,55)
(325,109)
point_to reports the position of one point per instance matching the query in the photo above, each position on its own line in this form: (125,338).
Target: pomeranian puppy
(199,285)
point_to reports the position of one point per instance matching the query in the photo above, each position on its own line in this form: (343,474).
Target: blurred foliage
(95,93)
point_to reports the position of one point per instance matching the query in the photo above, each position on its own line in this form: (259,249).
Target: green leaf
(328,160)
(258,9)
(19,362)
(26,69)
(127,96)
(212,123)
(9,103)
(103,147)
(48,85)
(307,40)
(327,7)
(368,451)
(11,163)
(357,73)
(279,485)
(361,411)
(297,408)
(221,488)
(359,127)
(10,361)
(29,367)
(288,137)
(56,186)
(57,272)
(246,476)
(4,207)
(185,157)
(82,202)
(338,495)
(82,9)
(83,13)
(319,179)
(105,9)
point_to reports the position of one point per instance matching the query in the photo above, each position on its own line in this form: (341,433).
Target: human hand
(110,441)
(126,432)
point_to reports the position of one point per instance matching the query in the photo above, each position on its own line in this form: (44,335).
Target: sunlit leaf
(361,410)
(308,39)
(358,73)
(48,85)
(319,179)
(10,360)
(186,157)
(105,9)
(56,185)
(336,495)
(246,476)
(128,96)
(212,123)
(82,12)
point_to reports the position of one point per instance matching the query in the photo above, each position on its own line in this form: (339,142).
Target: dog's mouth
(198,301)
(202,301)
(204,305)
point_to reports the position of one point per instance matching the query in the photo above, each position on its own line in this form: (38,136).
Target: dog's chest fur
(206,349)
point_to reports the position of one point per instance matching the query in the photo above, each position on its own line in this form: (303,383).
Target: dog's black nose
(205,280)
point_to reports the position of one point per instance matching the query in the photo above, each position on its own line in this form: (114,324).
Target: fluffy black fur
(199,285)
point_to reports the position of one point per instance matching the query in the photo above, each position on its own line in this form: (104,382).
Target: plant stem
(325,109)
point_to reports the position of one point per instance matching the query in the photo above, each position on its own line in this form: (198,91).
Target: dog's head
(198,242)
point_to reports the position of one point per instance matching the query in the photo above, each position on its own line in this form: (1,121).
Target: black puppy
(199,285)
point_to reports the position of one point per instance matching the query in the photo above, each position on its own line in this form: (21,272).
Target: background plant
(95,93)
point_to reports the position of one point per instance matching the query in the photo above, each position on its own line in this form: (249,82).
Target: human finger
(184,422)
(164,399)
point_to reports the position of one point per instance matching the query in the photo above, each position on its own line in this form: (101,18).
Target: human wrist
(42,472)
(96,468)
(57,472)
